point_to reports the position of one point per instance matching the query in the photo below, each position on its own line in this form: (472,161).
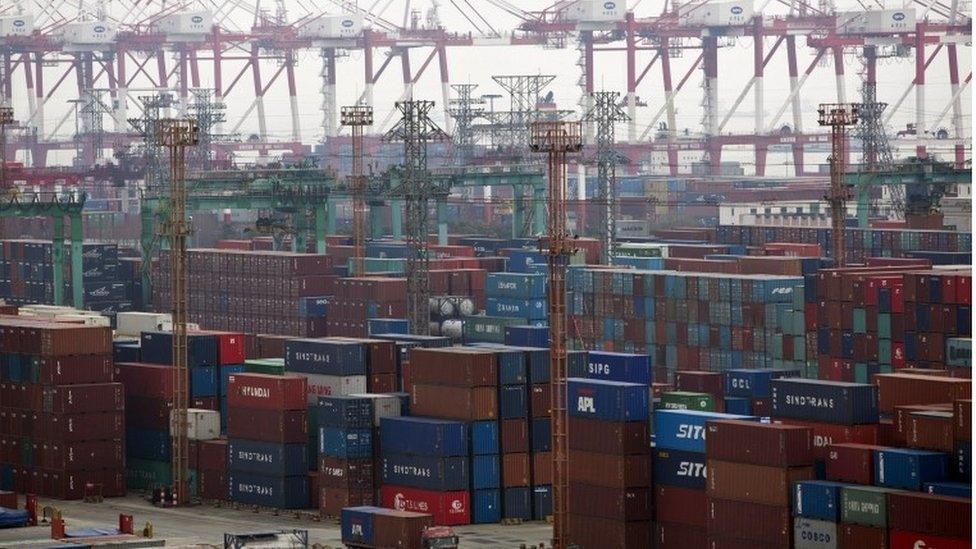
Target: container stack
(359,299)
(938,307)
(610,500)
(64,414)
(486,475)
(835,411)
(680,471)
(425,466)
(211,470)
(752,468)
(345,453)
(149,399)
(251,291)
(517,295)
(749,391)
(267,431)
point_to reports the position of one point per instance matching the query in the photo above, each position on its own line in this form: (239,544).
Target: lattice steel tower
(176,134)
(606,113)
(465,109)
(838,116)
(416,188)
(524,92)
(358,117)
(557,139)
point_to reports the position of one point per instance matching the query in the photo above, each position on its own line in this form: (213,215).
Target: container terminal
(416,274)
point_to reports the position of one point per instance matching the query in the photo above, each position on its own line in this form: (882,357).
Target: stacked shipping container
(345,455)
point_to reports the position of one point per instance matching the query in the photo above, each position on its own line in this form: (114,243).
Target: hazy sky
(477,65)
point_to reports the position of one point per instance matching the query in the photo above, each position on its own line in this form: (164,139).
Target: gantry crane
(176,134)
(357,117)
(557,139)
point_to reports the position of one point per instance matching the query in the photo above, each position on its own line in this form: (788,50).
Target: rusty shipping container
(903,389)
(769,444)
(754,483)
(454,366)
(75,369)
(591,435)
(930,514)
(400,529)
(680,505)
(771,524)
(611,503)
(465,404)
(599,533)
(856,536)
(612,471)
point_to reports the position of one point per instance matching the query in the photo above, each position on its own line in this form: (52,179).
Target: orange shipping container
(905,389)
(754,483)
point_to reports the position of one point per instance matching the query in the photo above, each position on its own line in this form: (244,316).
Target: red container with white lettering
(825,434)
(849,462)
(448,508)
(267,392)
(899,539)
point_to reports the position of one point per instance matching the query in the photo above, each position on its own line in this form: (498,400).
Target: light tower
(176,134)
(838,116)
(357,117)
(557,139)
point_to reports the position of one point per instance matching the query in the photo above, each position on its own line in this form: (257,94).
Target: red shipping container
(856,536)
(515,436)
(541,468)
(332,500)
(230,348)
(345,473)
(963,419)
(152,380)
(754,483)
(596,532)
(613,471)
(931,431)
(267,392)
(678,536)
(461,403)
(77,399)
(591,435)
(76,369)
(94,426)
(712,383)
(71,485)
(540,400)
(147,412)
(283,427)
(900,539)
(382,383)
(8,499)
(448,508)
(454,366)
(680,505)
(759,443)
(212,454)
(901,389)
(80,456)
(930,514)
(213,484)
(851,463)
(825,434)
(516,470)
(749,521)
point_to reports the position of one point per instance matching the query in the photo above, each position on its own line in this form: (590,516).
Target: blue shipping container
(486,506)
(738,405)
(516,285)
(909,469)
(126,352)
(441,474)
(343,411)
(679,468)
(753,383)
(825,401)
(527,336)
(388,326)
(485,472)
(278,492)
(344,443)
(513,401)
(539,363)
(157,348)
(954,489)
(529,309)
(203,381)
(317,306)
(817,499)
(225,372)
(607,400)
(685,429)
(423,436)
(324,356)
(541,501)
(154,444)
(632,368)
(484,438)
(518,503)
(541,434)
(357,524)
(511,366)
(267,458)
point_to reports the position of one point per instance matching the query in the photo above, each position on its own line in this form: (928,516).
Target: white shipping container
(718,14)
(633,227)
(88,33)
(334,26)
(196,22)
(16,25)
(323,385)
(599,10)
(134,323)
(200,424)
(384,405)
(887,21)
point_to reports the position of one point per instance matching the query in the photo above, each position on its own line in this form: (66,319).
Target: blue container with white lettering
(541,501)
(518,503)
(317,306)
(541,428)
(685,429)
(203,381)
(351,412)
(679,468)
(357,525)
(267,458)
(325,356)
(484,438)
(516,285)
(954,489)
(342,443)
(909,469)
(269,491)
(485,472)
(423,436)
(825,401)
(513,401)
(628,367)
(522,260)
(441,474)
(753,383)
(527,336)
(817,499)
(486,506)
(607,400)
(529,309)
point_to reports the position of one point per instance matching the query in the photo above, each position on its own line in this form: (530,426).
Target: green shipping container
(860,321)
(865,505)
(487,329)
(270,366)
(684,400)
(959,352)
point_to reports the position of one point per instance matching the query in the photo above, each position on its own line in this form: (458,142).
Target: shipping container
(625,367)
(902,389)
(814,534)
(848,462)
(680,505)
(266,458)
(282,426)
(267,392)
(899,539)
(448,508)
(770,524)
(612,471)
(593,435)
(484,438)
(754,483)
(759,443)
(607,400)
(460,403)
(628,504)
(825,401)
(930,514)
(857,536)
(679,468)
(358,525)
(865,505)
(426,472)
(269,491)
(325,356)
(424,436)
(817,499)
(342,411)
(600,532)
(685,429)
(678,536)
(345,443)
(401,529)
(753,383)
(909,469)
